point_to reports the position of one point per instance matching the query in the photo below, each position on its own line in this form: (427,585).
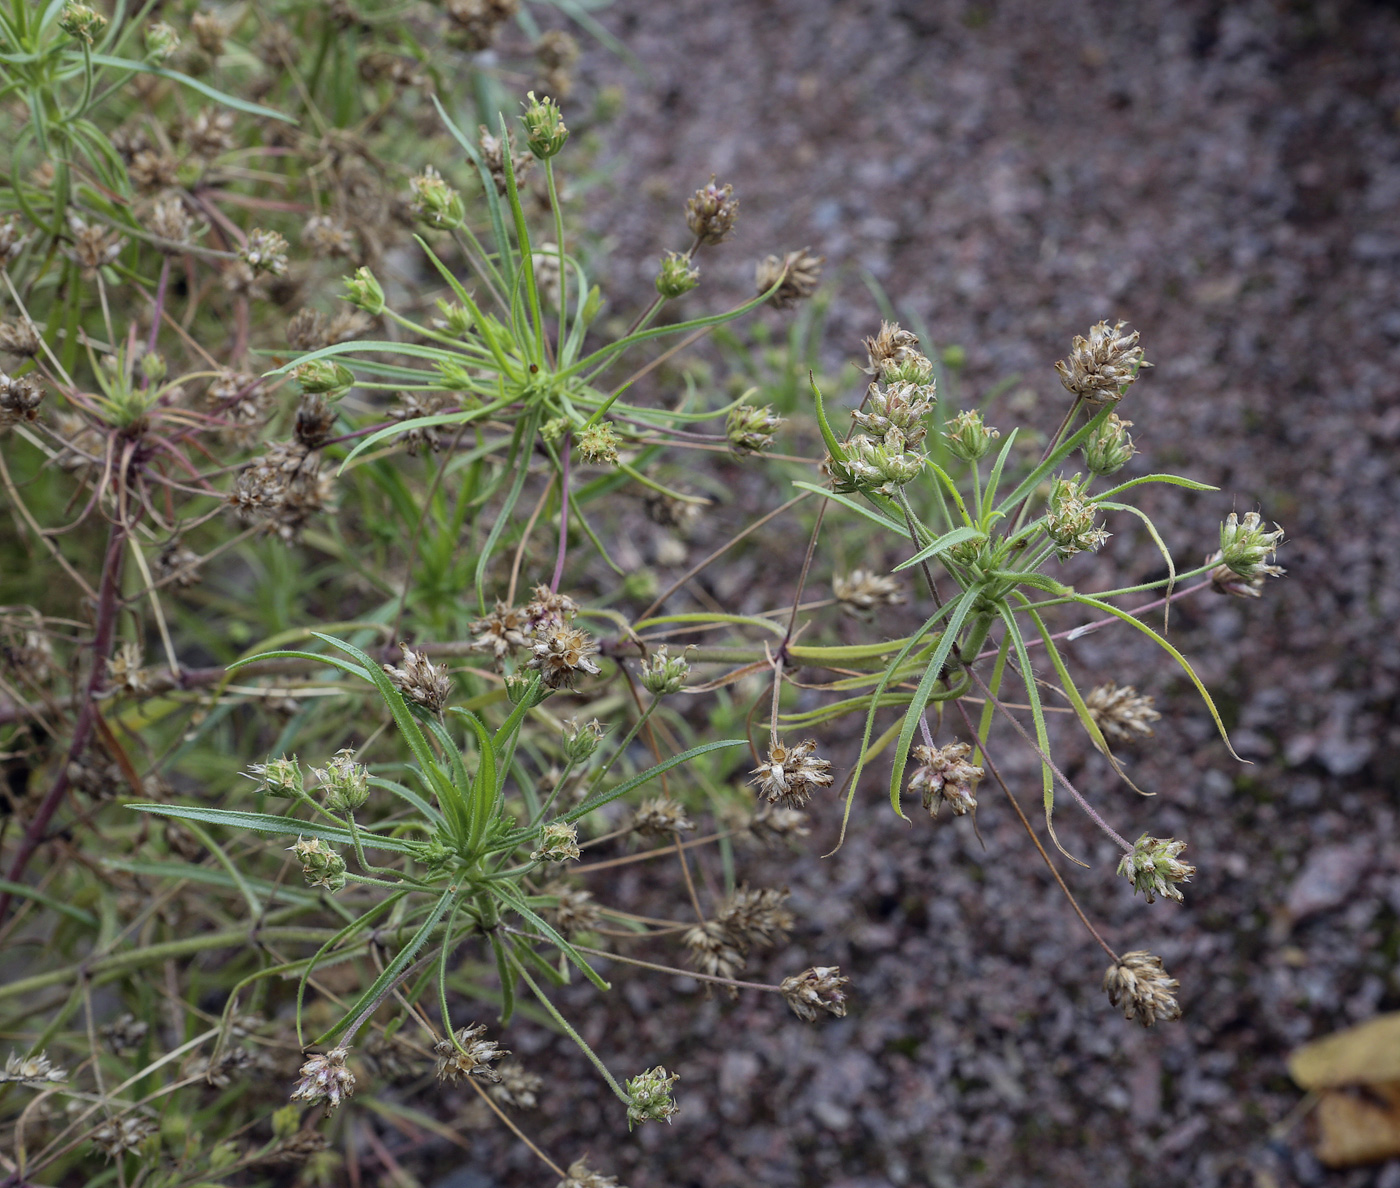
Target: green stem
(578,1039)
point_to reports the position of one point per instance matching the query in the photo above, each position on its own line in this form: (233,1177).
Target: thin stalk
(568,1030)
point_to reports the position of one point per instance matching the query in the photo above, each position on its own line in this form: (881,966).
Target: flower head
(562,654)
(364,292)
(650,1098)
(814,990)
(750,430)
(469,1056)
(582,1176)
(968,438)
(712,212)
(19,400)
(37,1069)
(1244,545)
(1109,447)
(661,817)
(545,132)
(790,774)
(503,630)
(944,774)
(81,22)
(435,202)
(663,673)
(321,865)
(582,739)
(799,273)
(677,275)
(1153,869)
(1069,519)
(861,591)
(278,777)
(558,843)
(1100,367)
(119,1136)
(1138,983)
(1121,714)
(265,251)
(346,783)
(325,1077)
(420,680)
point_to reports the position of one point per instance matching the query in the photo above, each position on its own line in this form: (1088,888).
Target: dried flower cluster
(325,1078)
(420,680)
(469,1056)
(1153,868)
(821,988)
(1100,367)
(944,775)
(1138,983)
(791,774)
(32,1070)
(661,816)
(799,271)
(860,592)
(1120,713)
(720,947)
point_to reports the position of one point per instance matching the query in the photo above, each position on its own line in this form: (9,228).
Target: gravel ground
(1226,178)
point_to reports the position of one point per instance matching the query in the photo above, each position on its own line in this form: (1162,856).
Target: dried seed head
(799,272)
(750,430)
(434,202)
(889,349)
(660,817)
(598,443)
(125,671)
(93,246)
(1245,545)
(315,420)
(19,400)
(814,990)
(546,265)
(545,133)
(712,212)
(209,133)
(662,673)
(278,777)
(474,22)
(321,866)
(169,220)
(325,1077)
(470,1056)
(558,843)
(32,1070)
(649,1097)
(493,153)
(861,591)
(308,330)
(420,680)
(118,1136)
(791,774)
(503,630)
(677,275)
(582,1176)
(12,242)
(556,53)
(562,654)
(345,782)
(177,564)
(1069,518)
(756,917)
(1121,714)
(151,170)
(944,774)
(580,741)
(325,236)
(1109,447)
(125,1035)
(575,912)
(517,1087)
(772,823)
(411,406)
(1138,983)
(667,511)
(265,251)
(299,1147)
(1153,869)
(209,31)
(968,438)
(1101,367)
(714,952)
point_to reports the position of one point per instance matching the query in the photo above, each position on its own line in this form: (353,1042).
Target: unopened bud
(1109,447)
(545,132)
(323,376)
(663,674)
(968,438)
(677,275)
(364,292)
(346,783)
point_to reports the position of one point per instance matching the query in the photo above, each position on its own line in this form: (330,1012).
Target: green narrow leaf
(517,903)
(941,545)
(915,712)
(833,446)
(267,823)
(386,981)
(194,84)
